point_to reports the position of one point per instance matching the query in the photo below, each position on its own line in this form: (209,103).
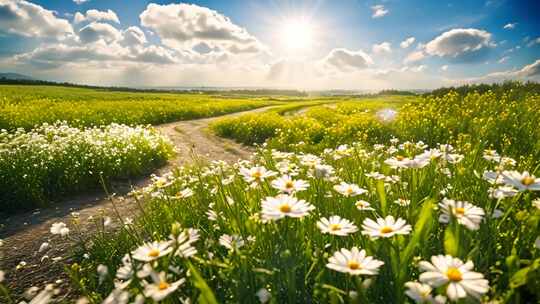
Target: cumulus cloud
(378,11)
(444,67)
(96,31)
(414,56)
(346,60)
(528,72)
(31,20)
(133,35)
(99,53)
(532,42)
(182,26)
(460,44)
(510,26)
(407,42)
(382,48)
(95,15)
(79,2)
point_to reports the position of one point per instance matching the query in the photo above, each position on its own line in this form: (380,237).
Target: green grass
(29,106)
(288,257)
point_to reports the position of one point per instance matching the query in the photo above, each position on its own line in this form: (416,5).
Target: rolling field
(30,106)
(380,199)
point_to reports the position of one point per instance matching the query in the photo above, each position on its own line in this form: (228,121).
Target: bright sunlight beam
(297,34)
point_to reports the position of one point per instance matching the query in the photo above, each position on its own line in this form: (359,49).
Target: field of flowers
(344,202)
(390,223)
(30,106)
(505,119)
(54,160)
(319,127)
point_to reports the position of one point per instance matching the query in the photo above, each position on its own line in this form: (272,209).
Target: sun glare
(297,34)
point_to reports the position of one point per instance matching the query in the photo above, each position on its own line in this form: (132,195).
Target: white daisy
(287,185)
(349,190)
(60,228)
(491,155)
(402,202)
(183,242)
(398,161)
(231,242)
(450,271)
(421,293)
(502,192)
(184,193)
(363,205)
(522,181)
(386,227)
(465,213)
(536,203)
(256,175)
(274,208)
(159,289)
(323,171)
(336,225)
(151,251)
(354,262)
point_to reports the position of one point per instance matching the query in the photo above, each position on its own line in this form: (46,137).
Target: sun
(297,34)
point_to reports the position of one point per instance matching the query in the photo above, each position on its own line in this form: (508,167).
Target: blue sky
(348,44)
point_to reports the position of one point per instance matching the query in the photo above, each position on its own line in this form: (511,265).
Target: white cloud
(95,15)
(185,26)
(510,26)
(414,56)
(407,42)
(533,42)
(416,69)
(528,72)
(444,67)
(96,31)
(503,59)
(346,60)
(79,2)
(460,44)
(31,20)
(381,48)
(133,35)
(378,11)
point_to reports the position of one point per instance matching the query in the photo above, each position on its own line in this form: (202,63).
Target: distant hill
(15,76)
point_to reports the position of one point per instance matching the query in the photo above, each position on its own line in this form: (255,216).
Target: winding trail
(23,234)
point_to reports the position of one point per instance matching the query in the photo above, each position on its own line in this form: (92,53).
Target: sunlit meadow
(269,151)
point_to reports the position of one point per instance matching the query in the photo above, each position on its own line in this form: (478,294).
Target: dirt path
(23,234)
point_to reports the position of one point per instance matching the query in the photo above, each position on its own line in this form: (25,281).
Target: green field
(29,106)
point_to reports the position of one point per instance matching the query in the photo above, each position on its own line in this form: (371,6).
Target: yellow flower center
(153,253)
(163,285)
(459,211)
(335,227)
(386,229)
(285,208)
(454,274)
(289,184)
(349,190)
(353,265)
(256,175)
(527,181)
(400,158)
(360,204)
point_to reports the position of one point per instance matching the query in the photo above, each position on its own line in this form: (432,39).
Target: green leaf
(382,196)
(207,296)
(419,229)
(450,241)
(519,278)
